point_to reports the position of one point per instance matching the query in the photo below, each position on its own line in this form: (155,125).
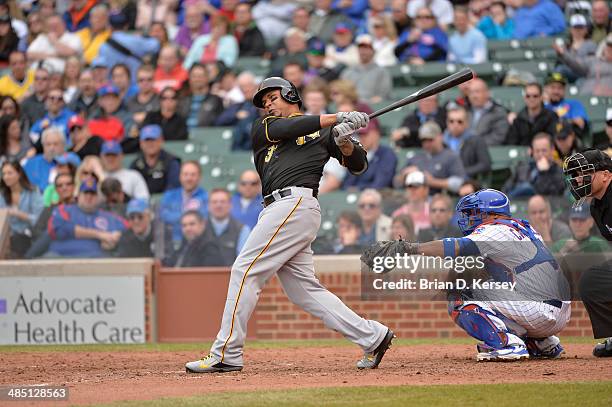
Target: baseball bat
(443,84)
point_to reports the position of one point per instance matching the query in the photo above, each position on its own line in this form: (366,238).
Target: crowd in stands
(92,92)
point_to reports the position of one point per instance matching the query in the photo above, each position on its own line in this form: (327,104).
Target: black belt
(270,199)
(554,303)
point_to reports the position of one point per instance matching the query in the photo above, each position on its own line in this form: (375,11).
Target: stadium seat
(512,55)
(185,150)
(538,42)
(499,45)
(256,65)
(214,140)
(332,204)
(503,160)
(510,97)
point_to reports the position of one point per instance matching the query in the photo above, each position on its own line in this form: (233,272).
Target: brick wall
(277,318)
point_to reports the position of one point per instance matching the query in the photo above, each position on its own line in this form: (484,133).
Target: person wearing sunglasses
(423,43)
(173,124)
(532,119)
(57,116)
(441,217)
(375,225)
(137,240)
(33,106)
(246,202)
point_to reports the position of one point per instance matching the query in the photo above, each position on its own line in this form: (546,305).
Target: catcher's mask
(473,208)
(288,91)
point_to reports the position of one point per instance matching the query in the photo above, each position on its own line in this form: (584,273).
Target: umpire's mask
(579,175)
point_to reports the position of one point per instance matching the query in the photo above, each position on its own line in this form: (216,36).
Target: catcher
(512,325)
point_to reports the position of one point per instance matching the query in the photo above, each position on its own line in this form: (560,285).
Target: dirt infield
(101,377)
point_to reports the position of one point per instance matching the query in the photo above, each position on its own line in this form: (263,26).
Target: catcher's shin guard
(480,323)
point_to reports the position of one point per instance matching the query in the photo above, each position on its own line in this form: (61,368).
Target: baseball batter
(516,324)
(290,150)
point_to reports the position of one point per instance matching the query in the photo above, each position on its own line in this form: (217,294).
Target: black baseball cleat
(602,350)
(372,360)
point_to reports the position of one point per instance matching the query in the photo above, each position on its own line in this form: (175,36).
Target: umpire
(590,176)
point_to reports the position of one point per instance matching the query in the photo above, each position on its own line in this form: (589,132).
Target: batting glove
(342,133)
(359,119)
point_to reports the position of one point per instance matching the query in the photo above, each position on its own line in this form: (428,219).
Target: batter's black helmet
(287,90)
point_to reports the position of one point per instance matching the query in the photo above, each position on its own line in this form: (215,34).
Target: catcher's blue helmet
(471,208)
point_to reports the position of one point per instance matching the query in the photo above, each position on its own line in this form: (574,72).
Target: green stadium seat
(400,75)
(538,43)
(539,68)
(185,150)
(431,72)
(214,140)
(512,55)
(256,65)
(488,71)
(499,45)
(503,157)
(510,97)
(332,204)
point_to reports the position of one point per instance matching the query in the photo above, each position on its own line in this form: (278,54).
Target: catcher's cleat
(509,353)
(372,360)
(209,364)
(536,353)
(603,350)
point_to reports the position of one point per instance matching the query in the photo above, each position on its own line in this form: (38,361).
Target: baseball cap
(137,206)
(429,130)
(563,129)
(89,185)
(342,28)
(108,90)
(118,20)
(76,121)
(365,39)
(111,147)
(316,46)
(67,158)
(557,77)
(580,212)
(151,132)
(578,20)
(415,178)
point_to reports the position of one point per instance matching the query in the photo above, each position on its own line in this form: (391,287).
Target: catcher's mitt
(384,249)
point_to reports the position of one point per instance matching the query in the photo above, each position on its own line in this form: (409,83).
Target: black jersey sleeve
(277,129)
(356,163)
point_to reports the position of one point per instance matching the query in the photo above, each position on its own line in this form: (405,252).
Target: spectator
(442,167)
(77,17)
(83,230)
(417,201)
(400,18)
(195,250)
(10,107)
(375,9)
(538,175)
(273,17)
(39,166)
(292,50)
(601,24)
(582,240)
(566,109)
(333,176)
(173,124)
(596,70)
(300,18)
(441,216)
(373,83)
(538,18)
(539,215)
(427,109)
(348,226)
(137,240)
(159,168)
(532,119)
(316,59)
(218,45)
(169,71)
(194,25)
(96,34)
(241,115)
(425,42)
(384,40)
(342,51)
(121,79)
(65,187)
(376,226)
(123,10)
(109,123)
(294,73)
(83,143)
(488,117)
(23,202)
(100,71)
(402,228)
(150,12)
(70,78)
(55,44)
(190,196)
(467,45)
(566,142)
(146,100)
(497,25)
(381,162)
(246,203)
(13,146)
(85,101)
(66,163)
(476,159)
(442,10)
(251,42)
(229,234)
(18,81)
(90,169)
(324,20)
(57,116)
(8,40)
(132,182)
(33,106)
(201,107)
(34,27)
(580,47)
(315,98)
(344,92)
(115,199)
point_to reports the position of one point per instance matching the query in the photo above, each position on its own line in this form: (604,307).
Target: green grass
(285,344)
(498,395)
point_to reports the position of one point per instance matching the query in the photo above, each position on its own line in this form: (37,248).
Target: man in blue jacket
(538,18)
(246,203)
(381,161)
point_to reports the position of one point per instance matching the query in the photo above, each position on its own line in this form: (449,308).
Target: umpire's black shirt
(601,211)
(291,151)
